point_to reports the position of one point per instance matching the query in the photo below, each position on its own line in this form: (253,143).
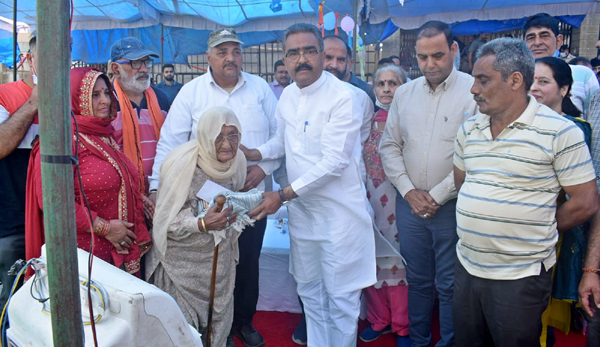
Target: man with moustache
(169,85)
(249,96)
(282,79)
(511,162)
(332,258)
(337,60)
(543,39)
(141,108)
(416,151)
(341,64)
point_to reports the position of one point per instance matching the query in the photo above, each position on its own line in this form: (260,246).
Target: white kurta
(331,235)
(252,100)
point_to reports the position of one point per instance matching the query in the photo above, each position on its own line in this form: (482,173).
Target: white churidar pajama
(332,246)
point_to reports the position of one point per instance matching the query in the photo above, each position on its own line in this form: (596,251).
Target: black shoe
(299,336)
(250,337)
(230,341)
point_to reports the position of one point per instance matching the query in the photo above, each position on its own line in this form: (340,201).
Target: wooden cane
(220,203)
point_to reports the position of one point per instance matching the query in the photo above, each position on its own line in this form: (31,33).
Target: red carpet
(278,327)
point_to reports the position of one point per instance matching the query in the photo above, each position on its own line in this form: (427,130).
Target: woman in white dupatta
(182,259)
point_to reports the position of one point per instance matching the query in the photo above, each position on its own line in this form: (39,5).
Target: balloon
(329,21)
(347,24)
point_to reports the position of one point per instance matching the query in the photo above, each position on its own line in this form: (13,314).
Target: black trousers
(245,294)
(593,335)
(499,313)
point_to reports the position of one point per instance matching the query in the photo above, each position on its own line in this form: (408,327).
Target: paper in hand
(209,190)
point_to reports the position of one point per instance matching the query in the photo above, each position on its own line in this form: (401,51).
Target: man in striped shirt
(511,162)
(140,106)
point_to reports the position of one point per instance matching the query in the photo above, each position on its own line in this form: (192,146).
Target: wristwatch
(284,201)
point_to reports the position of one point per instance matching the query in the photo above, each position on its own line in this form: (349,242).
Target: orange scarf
(131,134)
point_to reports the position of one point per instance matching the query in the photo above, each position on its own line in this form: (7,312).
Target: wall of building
(587,36)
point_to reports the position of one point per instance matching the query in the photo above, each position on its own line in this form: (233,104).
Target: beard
(131,83)
(169,78)
(337,73)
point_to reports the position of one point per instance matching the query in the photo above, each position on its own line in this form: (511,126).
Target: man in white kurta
(254,104)
(331,241)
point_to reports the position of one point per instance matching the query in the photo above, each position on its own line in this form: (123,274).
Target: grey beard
(131,84)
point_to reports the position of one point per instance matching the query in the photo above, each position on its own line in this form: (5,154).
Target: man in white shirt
(416,152)
(337,62)
(543,39)
(254,104)
(332,246)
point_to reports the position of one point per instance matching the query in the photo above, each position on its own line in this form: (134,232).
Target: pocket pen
(305,124)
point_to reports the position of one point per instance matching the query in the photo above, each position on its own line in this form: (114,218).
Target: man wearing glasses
(141,108)
(251,98)
(332,254)
(543,39)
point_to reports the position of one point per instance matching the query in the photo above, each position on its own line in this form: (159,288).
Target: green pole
(56,141)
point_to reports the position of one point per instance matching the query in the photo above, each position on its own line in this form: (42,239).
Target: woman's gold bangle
(203,225)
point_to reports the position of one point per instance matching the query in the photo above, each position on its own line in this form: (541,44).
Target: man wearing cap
(252,100)
(141,108)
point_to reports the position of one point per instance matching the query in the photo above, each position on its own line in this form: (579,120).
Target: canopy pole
(162,46)
(56,141)
(354,34)
(15,40)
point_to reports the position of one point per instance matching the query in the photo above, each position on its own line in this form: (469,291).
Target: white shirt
(368,112)
(331,234)
(252,101)
(585,84)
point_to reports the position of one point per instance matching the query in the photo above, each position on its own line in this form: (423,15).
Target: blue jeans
(429,247)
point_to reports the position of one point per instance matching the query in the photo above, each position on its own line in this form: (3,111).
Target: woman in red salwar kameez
(110,182)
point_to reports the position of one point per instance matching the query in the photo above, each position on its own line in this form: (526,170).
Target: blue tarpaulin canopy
(6,52)
(187,23)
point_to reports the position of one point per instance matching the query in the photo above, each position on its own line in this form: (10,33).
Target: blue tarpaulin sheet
(6,52)
(98,23)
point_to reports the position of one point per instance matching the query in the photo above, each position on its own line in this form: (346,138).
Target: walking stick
(220,202)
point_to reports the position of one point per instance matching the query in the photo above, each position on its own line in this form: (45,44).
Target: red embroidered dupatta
(99,147)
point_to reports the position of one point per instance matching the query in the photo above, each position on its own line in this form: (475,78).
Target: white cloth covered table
(277,287)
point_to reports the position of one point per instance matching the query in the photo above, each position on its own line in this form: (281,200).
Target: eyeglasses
(309,54)
(137,64)
(233,139)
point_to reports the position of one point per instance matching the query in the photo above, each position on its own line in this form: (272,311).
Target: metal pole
(56,140)
(354,34)
(15,40)
(162,46)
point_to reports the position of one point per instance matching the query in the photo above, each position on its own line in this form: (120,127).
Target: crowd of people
(482,186)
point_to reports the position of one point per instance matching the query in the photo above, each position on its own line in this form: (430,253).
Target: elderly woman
(111,185)
(181,263)
(387,299)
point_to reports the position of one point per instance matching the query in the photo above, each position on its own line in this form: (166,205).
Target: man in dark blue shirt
(169,85)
